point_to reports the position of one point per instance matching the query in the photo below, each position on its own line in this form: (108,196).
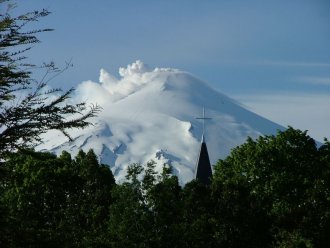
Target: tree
(130,221)
(55,202)
(165,200)
(27,108)
(285,177)
(89,204)
(147,210)
(198,215)
(238,219)
(34,194)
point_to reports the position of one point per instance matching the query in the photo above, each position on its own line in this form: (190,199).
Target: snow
(151,115)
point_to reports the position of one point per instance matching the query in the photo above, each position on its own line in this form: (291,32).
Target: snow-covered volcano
(151,115)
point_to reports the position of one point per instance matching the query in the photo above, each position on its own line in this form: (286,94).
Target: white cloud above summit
(111,89)
(138,67)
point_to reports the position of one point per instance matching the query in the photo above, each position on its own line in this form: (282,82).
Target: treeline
(271,192)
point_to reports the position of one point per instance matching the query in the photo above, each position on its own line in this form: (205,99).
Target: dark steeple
(203,171)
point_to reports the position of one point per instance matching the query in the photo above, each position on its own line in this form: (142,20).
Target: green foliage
(145,212)
(239,219)
(287,178)
(270,192)
(198,219)
(53,202)
(27,108)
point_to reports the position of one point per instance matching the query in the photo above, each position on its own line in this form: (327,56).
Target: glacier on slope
(151,115)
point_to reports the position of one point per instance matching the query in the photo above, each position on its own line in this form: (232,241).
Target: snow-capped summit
(151,115)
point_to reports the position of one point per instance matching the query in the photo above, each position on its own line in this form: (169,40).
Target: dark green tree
(34,194)
(222,216)
(27,108)
(285,177)
(321,195)
(147,210)
(89,205)
(198,220)
(55,202)
(238,219)
(130,222)
(164,199)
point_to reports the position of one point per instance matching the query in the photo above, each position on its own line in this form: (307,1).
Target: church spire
(203,171)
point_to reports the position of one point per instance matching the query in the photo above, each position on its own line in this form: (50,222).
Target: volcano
(150,114)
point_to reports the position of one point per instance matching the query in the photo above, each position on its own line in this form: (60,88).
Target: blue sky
(274,55)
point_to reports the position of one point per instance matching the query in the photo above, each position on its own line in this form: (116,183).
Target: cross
(203,118)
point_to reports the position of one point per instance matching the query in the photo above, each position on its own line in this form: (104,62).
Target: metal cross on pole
(203,118)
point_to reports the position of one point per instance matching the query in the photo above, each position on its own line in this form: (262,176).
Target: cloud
(303,111)
(315,80)
(91,92)
(110,89)
(138,67)
(285,63)
(297,63)
(106,79)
